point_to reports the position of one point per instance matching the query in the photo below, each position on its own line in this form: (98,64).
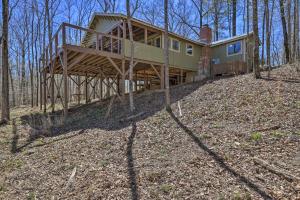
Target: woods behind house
(28,25)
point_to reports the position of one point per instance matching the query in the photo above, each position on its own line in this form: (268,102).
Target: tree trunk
(284,31)
(131,56)
(5,114)
(268,35)
(201,13)
(234,2)
(263,39)
(216,20)
(289,28)
(12,88)
(23,74)
(296,31)
(256,40)
(166,54)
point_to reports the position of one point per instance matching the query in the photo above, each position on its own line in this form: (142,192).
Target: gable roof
(138,21)
(121,16)
(231,39)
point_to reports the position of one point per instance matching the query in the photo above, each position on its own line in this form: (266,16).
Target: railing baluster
(101,41)
(97,41)
(63,34)
(111,44)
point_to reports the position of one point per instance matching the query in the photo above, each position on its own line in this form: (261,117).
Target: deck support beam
(123,80)
(65,78)
(181,76)
(135,82)
(101,86)
(86,90)
(78,90)
(162,77)
(107,88)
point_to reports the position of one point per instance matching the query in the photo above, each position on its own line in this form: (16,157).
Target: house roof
(123,17)
(231,39)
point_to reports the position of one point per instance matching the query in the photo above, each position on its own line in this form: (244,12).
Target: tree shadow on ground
(220,160)
(92,115)
(130,164)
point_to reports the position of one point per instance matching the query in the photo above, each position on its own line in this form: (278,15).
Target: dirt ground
(210,152)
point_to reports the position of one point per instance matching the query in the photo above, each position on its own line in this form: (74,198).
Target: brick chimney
(205,34)
(204,70)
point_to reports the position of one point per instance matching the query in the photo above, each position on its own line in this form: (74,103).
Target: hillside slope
(210,152)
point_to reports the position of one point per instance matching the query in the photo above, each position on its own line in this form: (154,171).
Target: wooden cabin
(98,58)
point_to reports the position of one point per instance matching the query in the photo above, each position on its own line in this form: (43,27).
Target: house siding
(220,52)
(155,54)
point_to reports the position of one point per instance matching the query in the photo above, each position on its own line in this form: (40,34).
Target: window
(234,48)
(174,45)
(157,42)
(189,50)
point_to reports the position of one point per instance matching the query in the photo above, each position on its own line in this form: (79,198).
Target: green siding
(220,52)
(176,59)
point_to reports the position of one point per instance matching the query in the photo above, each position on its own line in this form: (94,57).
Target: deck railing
(69,34)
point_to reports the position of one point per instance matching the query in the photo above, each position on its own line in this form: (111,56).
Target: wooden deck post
(118,85)
(78,90)
(135,81)
(101,87)
(108,87)
(181,76)
(162,77)
(86,89)
(145,80)
(123,80)
(65,77)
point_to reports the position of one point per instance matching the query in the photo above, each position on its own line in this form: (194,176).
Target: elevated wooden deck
(102,61)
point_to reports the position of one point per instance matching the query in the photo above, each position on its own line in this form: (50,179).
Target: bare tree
(5,113)
(199,6)
(263,39)
(216,7)
(296,31)
(234,3)
(284,31)
(166,55)
(268,34)
(289,26)
(129,16)
(108,5)
(256,40)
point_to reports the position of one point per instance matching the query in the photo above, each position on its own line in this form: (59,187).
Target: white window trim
(186,45)
(154,40)
(241,52)
(171,46)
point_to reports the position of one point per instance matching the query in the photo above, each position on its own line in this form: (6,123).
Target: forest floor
(228,130)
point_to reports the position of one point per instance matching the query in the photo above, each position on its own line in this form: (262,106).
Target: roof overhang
(232,39)
(137,21)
